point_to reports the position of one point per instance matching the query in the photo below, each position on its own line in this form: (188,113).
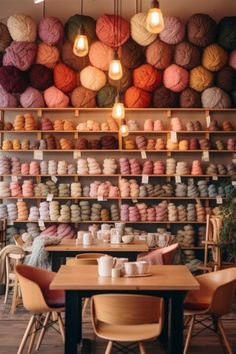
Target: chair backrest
(18,240)
(125,309)
(82,261)
(90,255)
(12,259)
(168,253)
(163,255)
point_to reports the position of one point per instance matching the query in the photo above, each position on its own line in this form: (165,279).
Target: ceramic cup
(87,239)
(130,268)
(142,267)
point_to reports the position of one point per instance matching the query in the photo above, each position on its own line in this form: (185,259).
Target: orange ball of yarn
(147,77)
(137,98)
(65,78)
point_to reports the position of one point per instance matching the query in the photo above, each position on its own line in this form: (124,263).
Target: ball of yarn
(125,82)
(22,28)
(100,55)
(147,77)
(112,30)
(201,30)
(40,77)
(82,97)
(92,78)
(65,78)
(214,97)
(12,79)
(226,79)
(175,78)
(131,54)
(159,54)
(73,61)
(187,55)
(232,59)
(47,55)
(200,78)
(5,38)
(20,54)
(7,99)
(174,30)
(74,23)
(190,98)
(139,33)
(227,33)
(51,30)
(214,57)
(137,98)
(106,96)
(55,98)
(162,98)
(32,98)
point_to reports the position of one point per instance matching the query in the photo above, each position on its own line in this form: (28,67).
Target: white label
(10,222)
(38,155)
(134,201)
(49,197)
(233,183)
(198,201)
(208,121)
(219,200)
(100,198)
(205,156)
(143,155)
(177,179)
(76,154)
(14,178)
(173,137)
(145,179)
(54,179)
(215,178)
(20,200)
(41,224)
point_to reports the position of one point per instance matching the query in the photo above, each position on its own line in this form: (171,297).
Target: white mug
(87,239)
(105,265)
(142,267)
(130,268)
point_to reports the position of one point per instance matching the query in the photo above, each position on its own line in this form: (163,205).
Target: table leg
(73,324)
(56,261)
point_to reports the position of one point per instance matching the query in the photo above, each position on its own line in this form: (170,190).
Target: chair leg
(32,339)
(61,327)
(43,330)
(109,348)
(25,337)
(85,305)
(226,342)
(6,291)
(141,348)
(14,298)
(189,334)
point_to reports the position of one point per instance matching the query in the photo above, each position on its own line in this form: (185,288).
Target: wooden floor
(12,328)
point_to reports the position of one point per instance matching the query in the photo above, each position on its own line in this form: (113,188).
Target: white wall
(65,8)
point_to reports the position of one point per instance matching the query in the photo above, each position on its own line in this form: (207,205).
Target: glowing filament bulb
(80,47)
(115,68)
(154,21)
(124,130)
(118,111)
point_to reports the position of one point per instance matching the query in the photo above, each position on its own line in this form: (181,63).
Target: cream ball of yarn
(139,33)
(22,28)
(174,30)
(92,78)
(214,97)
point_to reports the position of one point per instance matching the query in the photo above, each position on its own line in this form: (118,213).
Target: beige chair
(213,227)
(42,302)
(127,318)
(212,301)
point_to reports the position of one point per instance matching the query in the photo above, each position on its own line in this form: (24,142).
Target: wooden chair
(163,255)
(212,301)
(18,240)
(127,318)
(213,226)
(42,302)
(90,255)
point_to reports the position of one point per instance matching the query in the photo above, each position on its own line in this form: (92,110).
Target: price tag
(173,137)
(208,121)
(145,179)
(100,198)
(76,154)
(205,156)
(233,183)
(19,200)
(49,197)
(215,178)
(134,201)
(38,155)
(41,224)
(198,201)
(54,179)
(143,155)
(177,179)
(14,178)
(10,222)
(219,200)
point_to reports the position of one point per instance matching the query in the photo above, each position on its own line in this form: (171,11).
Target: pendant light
(118,110)
(124,130)
(154,21)
(80,48)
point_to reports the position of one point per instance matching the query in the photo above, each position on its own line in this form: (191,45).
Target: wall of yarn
(188,65)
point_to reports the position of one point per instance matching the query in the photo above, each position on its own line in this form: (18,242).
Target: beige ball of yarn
(92,78)
(139,33)
(214,57)
(215,97)
(22,28)
(200,78)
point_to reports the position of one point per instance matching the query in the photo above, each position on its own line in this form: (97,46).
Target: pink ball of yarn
(108,27)
(47,55)
(176,78)
(232,59)
(174,30)
(55,98)
(100,55)
(20,54)
(32,98)
(51,30)
(7,99)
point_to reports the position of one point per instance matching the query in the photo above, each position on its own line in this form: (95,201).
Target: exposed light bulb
(38,1)
(80,48)
(118,110)
(115,68)
(155,21)
(124,130)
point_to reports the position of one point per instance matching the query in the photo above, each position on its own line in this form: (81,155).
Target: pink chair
(163,255)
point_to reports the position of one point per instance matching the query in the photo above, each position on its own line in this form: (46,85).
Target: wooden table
(169,282)
(68,248)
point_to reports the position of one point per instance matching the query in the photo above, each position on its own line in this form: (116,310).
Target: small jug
(105,265)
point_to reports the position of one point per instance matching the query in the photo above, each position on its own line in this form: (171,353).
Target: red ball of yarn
(108,27)
(12,79)
(147,77)
(137,98)
(64,77)
(41,77)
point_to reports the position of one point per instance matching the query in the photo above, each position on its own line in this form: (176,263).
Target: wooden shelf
(59,131)
(119,151)
(114,221)
(111,198)
(124,176)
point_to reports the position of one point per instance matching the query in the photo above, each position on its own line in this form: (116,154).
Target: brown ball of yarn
(125,82)
(200,78)
(73,61)
(187,55)
(159,54)
(41,77)
(82,97)
(164,98)
(65,78)
(12,79)
(131,54)
(81,144)
(226,79)
(214,57)
(95,144)
(51,142)
(190,98)
(137,98)
(5,37)
(109,142)
(201,30)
